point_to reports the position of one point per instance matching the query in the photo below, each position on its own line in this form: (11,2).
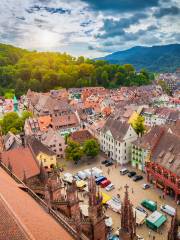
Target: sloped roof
(81,136)
(28,213)
(65,120)
(167,152)
(148,140)
(36,146)
(117,128)
(21,161)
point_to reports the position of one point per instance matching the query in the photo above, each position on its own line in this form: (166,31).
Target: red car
(105,183)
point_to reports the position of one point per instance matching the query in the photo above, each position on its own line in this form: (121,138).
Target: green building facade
(138,157)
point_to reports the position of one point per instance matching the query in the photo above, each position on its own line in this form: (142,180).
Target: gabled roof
(167,152)
(21,161)
(81,136)
(36,146)
(149,140)
(117,128)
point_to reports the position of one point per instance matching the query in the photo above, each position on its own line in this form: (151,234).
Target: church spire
(128,220)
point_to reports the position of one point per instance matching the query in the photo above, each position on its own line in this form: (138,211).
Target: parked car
(142,210)
(109,163)
(100,179)
(151,205)
(82,175)
(97,172)
(104,161)
(145,186)
(124,171)
(137,178)
(168,209)
(105,183)
(110,187)
(131,174)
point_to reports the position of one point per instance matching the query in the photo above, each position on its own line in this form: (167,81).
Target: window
(60,144)
(44,160)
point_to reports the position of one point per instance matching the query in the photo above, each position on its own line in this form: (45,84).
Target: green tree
(74,151)
(91,148)
(104,77)
(25,115)
(9,121)
(138,125)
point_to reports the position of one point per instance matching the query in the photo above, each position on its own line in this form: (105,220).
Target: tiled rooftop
(38,222)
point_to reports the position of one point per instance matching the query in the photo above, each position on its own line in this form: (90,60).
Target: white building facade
(115,140)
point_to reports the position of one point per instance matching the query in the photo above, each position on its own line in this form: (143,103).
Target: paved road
(136,196)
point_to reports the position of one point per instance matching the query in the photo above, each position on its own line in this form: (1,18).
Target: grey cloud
(161,12)
(112,28)
(37,8)
(21,18)
(121,5)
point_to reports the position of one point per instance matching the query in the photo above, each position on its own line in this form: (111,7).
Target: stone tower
(73,200)
(173,231)
(54,187)
(128,220)
(97,228)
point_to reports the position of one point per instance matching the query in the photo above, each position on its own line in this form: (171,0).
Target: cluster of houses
(172,80)
(106,115)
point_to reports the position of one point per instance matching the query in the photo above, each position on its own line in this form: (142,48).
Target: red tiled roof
(65,120)
(44,122)
(81,136)
(21,161)
(33,217)
(10,227)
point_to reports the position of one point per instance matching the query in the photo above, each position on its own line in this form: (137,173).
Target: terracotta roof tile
(81,136)
(21,160)
(34,218)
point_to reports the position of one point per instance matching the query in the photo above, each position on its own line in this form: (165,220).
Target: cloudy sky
(89,27)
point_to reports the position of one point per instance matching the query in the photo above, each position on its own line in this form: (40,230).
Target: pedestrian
(149,234)
(108,171)
(154,237)
(132,191)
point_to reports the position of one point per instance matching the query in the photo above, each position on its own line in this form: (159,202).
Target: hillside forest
(41,71)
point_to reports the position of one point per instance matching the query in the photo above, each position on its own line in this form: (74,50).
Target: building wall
(151,120)
(58,146)
(47,160)
(138,156)
(119,151)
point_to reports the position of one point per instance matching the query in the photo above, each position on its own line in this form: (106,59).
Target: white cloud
(32,24)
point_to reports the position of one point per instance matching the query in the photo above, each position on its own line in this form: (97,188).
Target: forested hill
(41,71)
(164,58)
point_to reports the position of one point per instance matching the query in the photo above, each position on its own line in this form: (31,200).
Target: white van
(124,171)
(97,172)
(82,175)
(168,209)
(87,172)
